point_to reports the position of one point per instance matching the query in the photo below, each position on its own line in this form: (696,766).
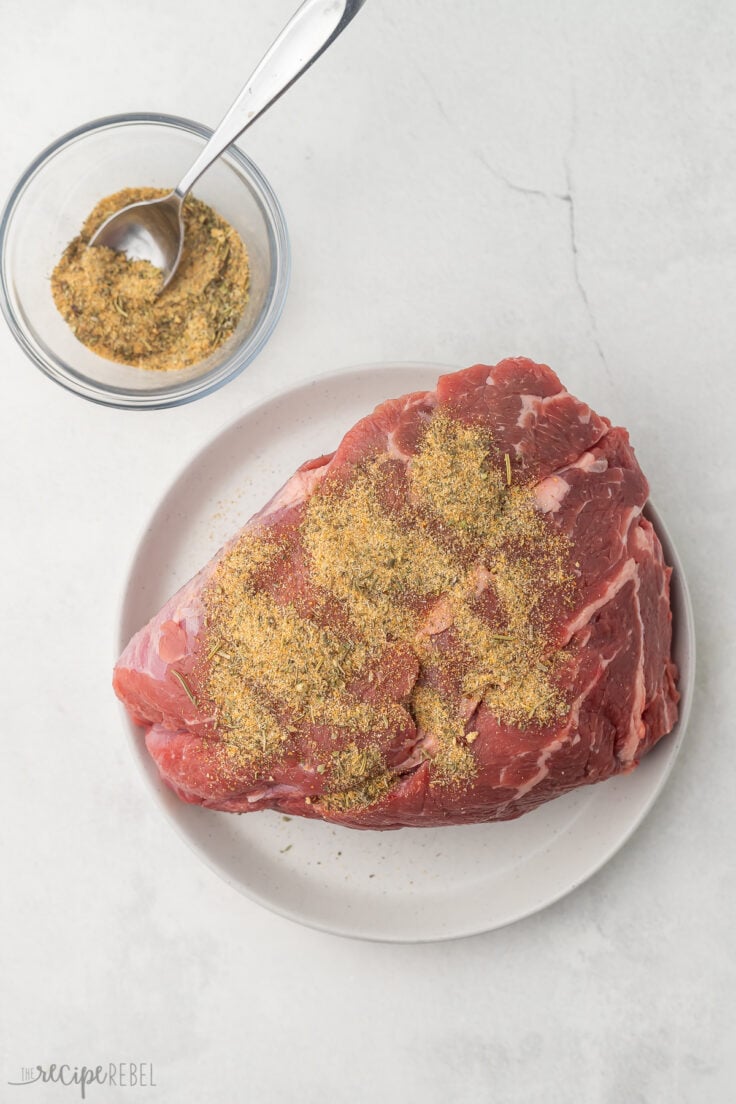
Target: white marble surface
(462,181)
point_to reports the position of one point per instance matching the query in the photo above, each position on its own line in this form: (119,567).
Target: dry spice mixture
(403,568)
(359,778)
(113,304)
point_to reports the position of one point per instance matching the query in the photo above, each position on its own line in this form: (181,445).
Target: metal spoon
(154,229)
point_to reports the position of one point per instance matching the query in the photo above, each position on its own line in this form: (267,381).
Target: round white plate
(410,885)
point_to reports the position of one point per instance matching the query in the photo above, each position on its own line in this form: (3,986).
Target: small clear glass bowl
(53,198)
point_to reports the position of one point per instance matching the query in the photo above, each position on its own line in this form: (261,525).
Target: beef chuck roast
(458,615)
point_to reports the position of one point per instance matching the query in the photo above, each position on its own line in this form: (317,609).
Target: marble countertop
(462,182)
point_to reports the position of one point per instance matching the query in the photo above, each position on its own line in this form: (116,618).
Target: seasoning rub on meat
(459,614)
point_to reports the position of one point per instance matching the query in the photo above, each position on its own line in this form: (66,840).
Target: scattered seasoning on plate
(115,307)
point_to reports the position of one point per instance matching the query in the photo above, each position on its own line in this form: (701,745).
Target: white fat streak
(275,789)
(648,544)
(440,616)
(532,406)
(542,769)
(529,405)
(633,516)
(482,578)
(550,493)
(589,462)
(670,712)
(424,398)
(670,706)
(438,619)
(560,739)
(626,573)
(393,450)
(636,724)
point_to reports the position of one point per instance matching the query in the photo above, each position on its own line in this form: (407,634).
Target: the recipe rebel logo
(123,1075)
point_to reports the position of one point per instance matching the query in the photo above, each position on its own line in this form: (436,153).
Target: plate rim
(133,738)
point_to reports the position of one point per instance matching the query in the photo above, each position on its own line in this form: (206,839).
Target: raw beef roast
(459,614)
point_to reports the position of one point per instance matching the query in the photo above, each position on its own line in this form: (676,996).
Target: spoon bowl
(150,230)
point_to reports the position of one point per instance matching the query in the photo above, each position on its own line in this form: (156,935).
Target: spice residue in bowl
(113,304)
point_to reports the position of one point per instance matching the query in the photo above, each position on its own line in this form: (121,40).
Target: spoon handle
(313,27)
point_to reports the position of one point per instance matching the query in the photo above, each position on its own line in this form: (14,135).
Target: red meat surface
(620,680)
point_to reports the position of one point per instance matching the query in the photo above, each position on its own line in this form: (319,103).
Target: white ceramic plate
(411,885)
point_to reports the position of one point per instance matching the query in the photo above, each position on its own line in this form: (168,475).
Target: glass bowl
(51,201)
